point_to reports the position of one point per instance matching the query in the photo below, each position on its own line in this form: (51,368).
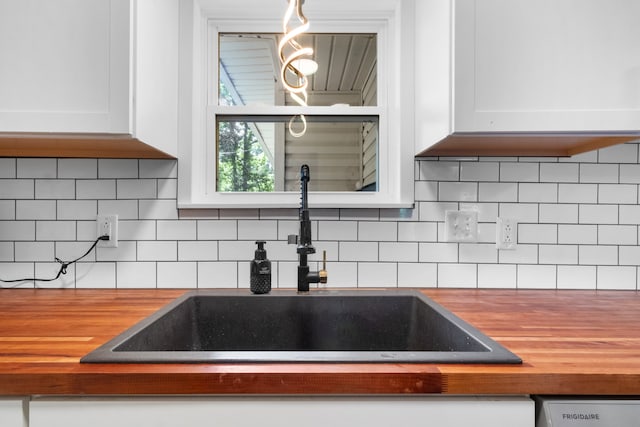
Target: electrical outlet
(461,226)
(506,233)
(108,225)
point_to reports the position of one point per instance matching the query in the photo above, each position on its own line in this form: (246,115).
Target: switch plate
(107,225)
(506,233)
(461,226)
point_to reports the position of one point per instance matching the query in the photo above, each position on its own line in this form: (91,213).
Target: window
(244,150)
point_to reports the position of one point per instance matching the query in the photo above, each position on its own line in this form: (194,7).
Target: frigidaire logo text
(580,416)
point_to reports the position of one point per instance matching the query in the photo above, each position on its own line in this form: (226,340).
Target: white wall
(578,227)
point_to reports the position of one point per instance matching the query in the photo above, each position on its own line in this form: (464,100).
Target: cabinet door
(284,412)
(64,66)
(12,414)
(546,65)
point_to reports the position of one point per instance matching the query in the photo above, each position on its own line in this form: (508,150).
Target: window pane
(249,66)
(259,153)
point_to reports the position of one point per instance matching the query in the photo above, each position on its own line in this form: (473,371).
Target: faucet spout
(305,245)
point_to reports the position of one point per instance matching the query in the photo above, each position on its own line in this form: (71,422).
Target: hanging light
(297,63)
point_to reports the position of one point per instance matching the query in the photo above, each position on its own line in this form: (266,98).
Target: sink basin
(322,326)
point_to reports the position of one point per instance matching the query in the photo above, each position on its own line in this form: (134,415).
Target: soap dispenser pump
(260,270)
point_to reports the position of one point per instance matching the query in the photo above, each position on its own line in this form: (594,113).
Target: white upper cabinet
(90,66)
(65,66)
(523,66)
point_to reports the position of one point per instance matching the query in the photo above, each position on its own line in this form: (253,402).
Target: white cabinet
(284,412)
(527,66)
(90,67)
(65,66)
(12,413)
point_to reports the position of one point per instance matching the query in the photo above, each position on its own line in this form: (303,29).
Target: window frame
(197,185)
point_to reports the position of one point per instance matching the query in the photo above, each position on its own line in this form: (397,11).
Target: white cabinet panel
(12,414)
(283,412)
(65,66)
(527,66)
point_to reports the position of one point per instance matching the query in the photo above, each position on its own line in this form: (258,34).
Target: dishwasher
(555,411)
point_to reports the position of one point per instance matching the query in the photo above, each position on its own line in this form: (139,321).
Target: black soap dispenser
(260,271)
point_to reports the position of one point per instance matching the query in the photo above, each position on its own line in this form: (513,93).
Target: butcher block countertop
(571,342)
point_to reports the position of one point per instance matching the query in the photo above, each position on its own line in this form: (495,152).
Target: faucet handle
(292,239)
(323,273)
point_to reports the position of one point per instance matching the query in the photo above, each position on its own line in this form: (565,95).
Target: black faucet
(305,246)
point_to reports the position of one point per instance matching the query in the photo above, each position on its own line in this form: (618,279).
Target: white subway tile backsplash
(7,209)
(438,171)
(136,275)
(497,276)
(352,214)
(219,275)
(478,253)
(167,188)
(576,277)
(426,191)
(497,192)
(598,255)
(96,189)
(629,214)
(34,251)
(55,189)
(536,276)
(618,193)
(337,230)
(77,209)
(158,168)
(434,211)
(519,172)
(157,251)
(218,230)
(135,230)
(7,168)
(523,254)
(117,168)
(236,250)
(17,230)
(458,191)
(621,153)
(398,252)
(35,209)
(537,233)
(578,234)
(197,251)
(72,250)
(599,173)
(358,251)
(177,275)
(457,276)
(6,253)
(630,174)
(55,230)
(17,271)
(481,171)
(377,231)
(50,270)
(537,193)
(136,189)
(340,274)
(126,251)
(16,188)
(559,172)
(78,168)
(611,277)
(158,209)
(598,214)
(577,193)
(629,255)
(176,230)
(586,157)
(125,209)
(36,168)
(558,254)
(520,212)
(617,235)
(559,213)
(417,275)
(95,275)
(372,274)
(438,252)
(417,232)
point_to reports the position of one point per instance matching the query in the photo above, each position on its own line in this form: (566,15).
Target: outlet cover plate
(506,233)
(461,226)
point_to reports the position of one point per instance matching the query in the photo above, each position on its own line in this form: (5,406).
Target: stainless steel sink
(322,326)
